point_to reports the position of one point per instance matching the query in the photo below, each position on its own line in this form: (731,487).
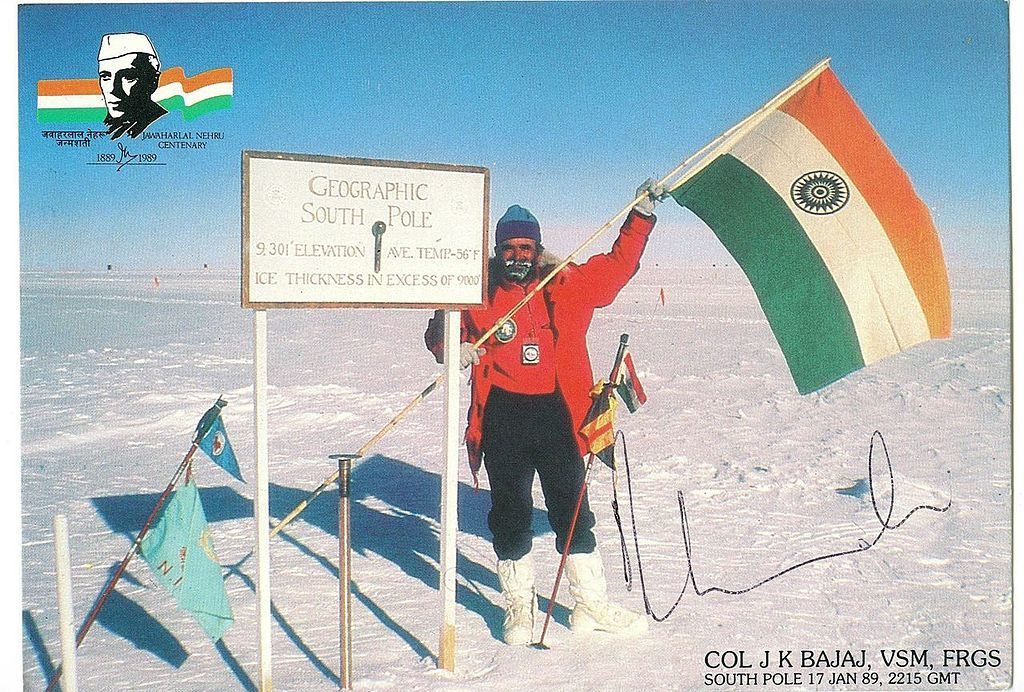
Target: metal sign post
(449,491)
(261,503)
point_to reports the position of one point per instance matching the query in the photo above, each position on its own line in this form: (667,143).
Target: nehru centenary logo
(131,91)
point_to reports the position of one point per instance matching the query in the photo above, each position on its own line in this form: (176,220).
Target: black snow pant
(523,434)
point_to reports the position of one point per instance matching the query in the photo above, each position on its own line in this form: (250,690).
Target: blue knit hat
(517,222)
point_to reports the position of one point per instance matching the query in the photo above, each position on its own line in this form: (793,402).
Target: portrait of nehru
(129,72)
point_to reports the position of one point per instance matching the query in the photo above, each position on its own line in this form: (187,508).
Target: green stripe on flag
(803,305)
(70,115)
(214,103)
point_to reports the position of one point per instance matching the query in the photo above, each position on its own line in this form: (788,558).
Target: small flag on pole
(213,439)
(179,550)
(599,425)
(628,387)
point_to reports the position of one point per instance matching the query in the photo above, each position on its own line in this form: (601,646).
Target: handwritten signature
(125,157)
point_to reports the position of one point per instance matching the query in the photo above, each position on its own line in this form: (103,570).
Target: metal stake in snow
(345,568)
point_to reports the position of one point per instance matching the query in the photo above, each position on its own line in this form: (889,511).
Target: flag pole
(138,541)
(716,146)
(725,141)
(204,427)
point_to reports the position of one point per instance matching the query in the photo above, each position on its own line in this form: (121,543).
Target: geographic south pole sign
(322,231)
(328,232)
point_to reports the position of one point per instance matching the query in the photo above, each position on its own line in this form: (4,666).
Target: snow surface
(116,372)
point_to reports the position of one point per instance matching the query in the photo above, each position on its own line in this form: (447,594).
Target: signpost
(449,493)
(330,232)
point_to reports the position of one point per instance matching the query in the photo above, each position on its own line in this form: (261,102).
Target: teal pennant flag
(212,438)
(218,448)
(179,550)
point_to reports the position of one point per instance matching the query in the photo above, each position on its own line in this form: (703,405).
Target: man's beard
(517,270)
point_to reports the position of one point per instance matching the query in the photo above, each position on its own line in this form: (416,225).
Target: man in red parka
(530,386)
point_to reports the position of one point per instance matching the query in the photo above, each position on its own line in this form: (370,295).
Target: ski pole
(606,391)
(204,427)
(565,554)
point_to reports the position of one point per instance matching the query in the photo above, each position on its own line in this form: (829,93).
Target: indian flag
(80,100)
(840,250)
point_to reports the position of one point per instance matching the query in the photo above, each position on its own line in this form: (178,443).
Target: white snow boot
(590,590)
(516,579)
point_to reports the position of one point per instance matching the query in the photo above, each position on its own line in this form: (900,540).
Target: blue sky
(570,105)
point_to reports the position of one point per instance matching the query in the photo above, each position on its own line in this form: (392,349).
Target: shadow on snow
(405,535)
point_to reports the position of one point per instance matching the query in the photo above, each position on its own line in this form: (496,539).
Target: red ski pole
(623,341)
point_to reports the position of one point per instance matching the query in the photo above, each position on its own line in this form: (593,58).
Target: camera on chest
(531,353)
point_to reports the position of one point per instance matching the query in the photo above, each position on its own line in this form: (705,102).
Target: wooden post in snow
(449,491)
(261,503)
(65,611)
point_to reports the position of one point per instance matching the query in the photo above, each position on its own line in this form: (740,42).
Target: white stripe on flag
(855,248)
(193,97)
(70,101)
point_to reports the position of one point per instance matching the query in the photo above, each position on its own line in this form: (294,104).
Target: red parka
(556,320)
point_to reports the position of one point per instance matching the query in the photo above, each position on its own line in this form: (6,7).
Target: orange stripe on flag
(600,432)
(831,114)
(176,74)
(599,444)
(598,427)
(68,87)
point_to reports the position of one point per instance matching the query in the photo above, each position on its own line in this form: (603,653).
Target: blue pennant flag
(179,550)
(213,439)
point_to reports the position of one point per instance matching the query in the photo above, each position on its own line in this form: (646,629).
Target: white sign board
(321,231)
